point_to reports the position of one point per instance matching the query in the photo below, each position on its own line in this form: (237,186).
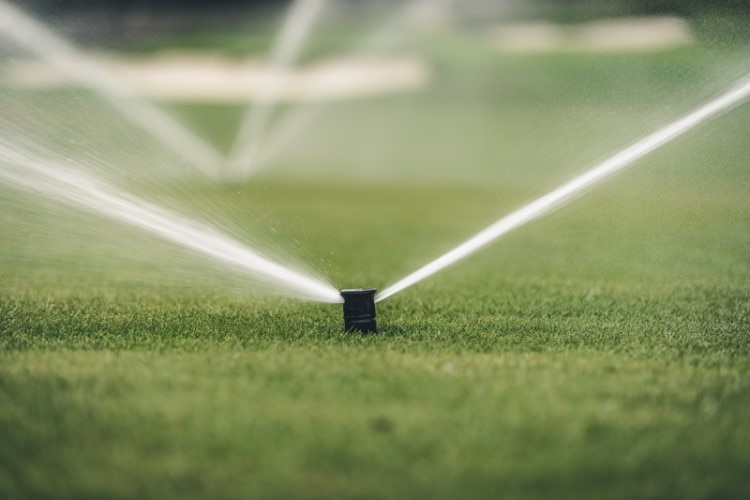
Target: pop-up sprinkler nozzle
(359,310)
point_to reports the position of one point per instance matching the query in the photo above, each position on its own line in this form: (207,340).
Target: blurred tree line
(105,21)
(572,10)
(629,7)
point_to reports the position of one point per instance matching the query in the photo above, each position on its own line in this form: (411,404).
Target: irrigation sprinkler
(359,310)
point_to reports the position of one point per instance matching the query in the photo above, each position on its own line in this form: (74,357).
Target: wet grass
(600,352)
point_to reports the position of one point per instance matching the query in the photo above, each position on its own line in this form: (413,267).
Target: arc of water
(37,38)
(295,30)
(51,179)
(564,193)
(259,153)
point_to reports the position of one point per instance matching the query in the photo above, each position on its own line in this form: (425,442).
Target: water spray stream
(564,193)
(259,154)
(297,25)
(59,181)
(37,38)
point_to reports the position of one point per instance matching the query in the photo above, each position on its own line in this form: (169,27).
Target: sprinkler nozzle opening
(359,310)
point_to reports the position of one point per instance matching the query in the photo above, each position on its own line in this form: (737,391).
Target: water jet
(32,35)
(359,310)
(65,182)
(578,185)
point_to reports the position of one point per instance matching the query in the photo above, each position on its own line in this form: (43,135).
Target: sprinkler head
(359,310)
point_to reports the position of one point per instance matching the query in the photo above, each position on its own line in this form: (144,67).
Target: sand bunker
(195,77)
(636,34)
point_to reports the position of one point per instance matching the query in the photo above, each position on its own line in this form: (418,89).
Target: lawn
(601,352)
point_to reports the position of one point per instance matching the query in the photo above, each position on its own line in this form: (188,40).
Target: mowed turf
(599,352)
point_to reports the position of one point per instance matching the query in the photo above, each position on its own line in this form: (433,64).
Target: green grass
(602,352)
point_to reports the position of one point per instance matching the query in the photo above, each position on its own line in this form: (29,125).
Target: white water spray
(297,25)
(51,179)
(564,193)
(37,38)
(257,154)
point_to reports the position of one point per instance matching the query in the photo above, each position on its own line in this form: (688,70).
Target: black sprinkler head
(359,310)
